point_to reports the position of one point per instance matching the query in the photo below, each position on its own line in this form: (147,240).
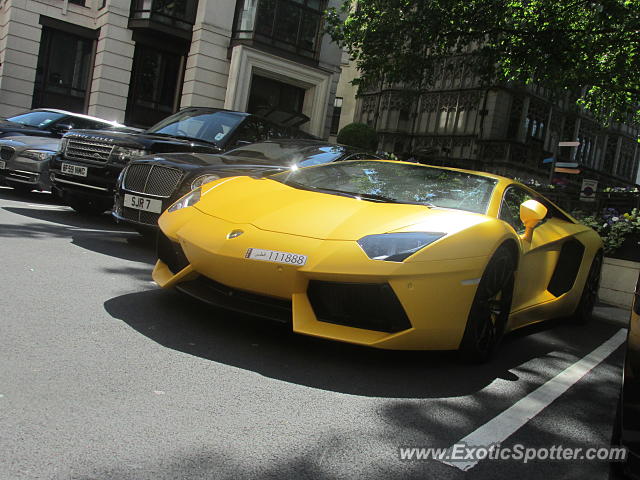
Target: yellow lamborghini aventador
(387,254)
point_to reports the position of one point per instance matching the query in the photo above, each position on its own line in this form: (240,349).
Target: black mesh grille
(229,298)
(372,306)
(136,176)
(149,218)
(152,179)
(6,153)
(171,253)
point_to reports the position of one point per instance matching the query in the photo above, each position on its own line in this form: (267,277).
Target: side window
(249,131)
(81,123)
(510,207)
(273,131)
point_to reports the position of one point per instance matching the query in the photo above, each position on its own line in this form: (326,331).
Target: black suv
(85,170)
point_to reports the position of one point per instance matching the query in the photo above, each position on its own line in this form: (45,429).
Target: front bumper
(425,306)
(99,184)
(27,172)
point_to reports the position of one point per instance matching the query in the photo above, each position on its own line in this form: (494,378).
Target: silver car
(24,161)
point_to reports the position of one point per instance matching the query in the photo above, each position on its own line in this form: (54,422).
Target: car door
(540,256)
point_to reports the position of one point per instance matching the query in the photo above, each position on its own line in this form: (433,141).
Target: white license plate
(76,170)
(276,257)
(3,164)
(143,203)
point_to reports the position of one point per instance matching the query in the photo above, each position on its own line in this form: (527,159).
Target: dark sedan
(148,186)
(49,122)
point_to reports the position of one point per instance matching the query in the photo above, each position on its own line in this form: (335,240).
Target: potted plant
(620,234)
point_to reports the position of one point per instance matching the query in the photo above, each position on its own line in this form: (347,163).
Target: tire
(88,207)
(490,309)
(584,310)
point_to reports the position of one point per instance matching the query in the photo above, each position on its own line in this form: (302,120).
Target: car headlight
(395,247)
(202,179)
(39,155)
(124,154)
(63,145)
(188,200)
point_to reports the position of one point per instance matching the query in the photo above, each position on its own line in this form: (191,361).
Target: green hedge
(358,135)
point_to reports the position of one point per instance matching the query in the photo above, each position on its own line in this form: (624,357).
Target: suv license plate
(76,170)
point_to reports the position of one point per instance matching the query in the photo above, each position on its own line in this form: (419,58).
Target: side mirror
(61,128)
(532,213)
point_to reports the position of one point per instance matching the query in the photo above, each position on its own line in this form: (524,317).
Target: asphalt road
(105,376)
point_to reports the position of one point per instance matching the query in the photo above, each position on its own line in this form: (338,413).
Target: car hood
(7,126)
(196,159)
(272,206)
(29,142)
(144,141)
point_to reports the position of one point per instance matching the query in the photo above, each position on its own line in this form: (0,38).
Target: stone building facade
(137,61)
(503,129)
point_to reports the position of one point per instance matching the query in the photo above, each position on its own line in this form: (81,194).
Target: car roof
(78,115)
(213,109)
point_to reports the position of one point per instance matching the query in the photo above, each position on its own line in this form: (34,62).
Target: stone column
(113,63)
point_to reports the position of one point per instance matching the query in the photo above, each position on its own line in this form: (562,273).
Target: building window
(156,79)
(275,100)
(63,70)
(290,25)
(515,118)
(535,120)
(335,117)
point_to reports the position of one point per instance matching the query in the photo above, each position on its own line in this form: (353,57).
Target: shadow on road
(67,216)
(182,324)
(97,234)
(45,198)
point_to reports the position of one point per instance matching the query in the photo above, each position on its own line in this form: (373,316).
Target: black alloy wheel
(584,310)
(490,309)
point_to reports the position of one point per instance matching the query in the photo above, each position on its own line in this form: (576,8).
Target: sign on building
(588,190)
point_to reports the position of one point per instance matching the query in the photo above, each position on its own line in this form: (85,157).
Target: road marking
(47,207)
(517,415)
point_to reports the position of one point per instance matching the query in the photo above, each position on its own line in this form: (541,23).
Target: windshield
(396,182)
(38,119)
(287,154)
(206,125)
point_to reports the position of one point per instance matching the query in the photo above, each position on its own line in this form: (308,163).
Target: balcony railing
(169,16)
(286,25)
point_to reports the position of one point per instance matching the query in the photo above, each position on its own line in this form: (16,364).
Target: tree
(589,49)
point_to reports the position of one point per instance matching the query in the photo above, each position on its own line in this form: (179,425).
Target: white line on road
(517,415)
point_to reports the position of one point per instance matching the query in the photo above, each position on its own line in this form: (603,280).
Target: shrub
(358,135)
(612,226)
